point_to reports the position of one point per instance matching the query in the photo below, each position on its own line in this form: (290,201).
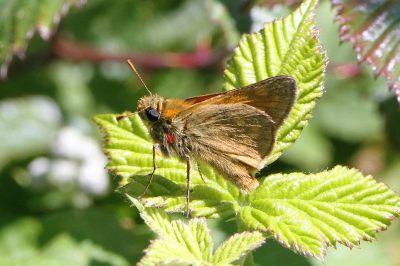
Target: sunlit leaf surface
(183,242)
(308,213)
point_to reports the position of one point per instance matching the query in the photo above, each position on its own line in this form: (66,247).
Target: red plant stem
(202,57)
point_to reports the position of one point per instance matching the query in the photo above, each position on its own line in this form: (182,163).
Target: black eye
(152,114)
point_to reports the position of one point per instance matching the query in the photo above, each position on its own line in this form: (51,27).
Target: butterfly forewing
(274,96)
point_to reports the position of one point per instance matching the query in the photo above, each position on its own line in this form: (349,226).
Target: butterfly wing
(274,96)
(233,138)
(235,131)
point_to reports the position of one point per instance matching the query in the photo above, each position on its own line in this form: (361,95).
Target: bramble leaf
(182,242)
(289,46)
(308,213)
(237,246)
(20,20)
(373,28)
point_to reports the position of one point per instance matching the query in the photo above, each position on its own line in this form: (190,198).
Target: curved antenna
(132,66)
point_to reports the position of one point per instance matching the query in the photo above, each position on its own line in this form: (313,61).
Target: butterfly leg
(188,168)
(200,173)
(155,146)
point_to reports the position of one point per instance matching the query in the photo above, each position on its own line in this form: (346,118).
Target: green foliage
(306,213)
(310,212)
(189,242)
(336,206)
(31,127)
(53,92)
(20,245)
(19,21)
(345,114)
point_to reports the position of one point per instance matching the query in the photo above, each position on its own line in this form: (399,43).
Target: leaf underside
(20,20)
(373,28)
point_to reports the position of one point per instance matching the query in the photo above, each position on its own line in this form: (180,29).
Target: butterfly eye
(152,114)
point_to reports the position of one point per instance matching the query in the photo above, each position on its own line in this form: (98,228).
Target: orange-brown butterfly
(233,131)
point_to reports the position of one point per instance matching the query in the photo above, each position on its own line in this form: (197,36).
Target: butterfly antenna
(119,117)
(132,66)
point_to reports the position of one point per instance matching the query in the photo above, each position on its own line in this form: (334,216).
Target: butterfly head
(149,107)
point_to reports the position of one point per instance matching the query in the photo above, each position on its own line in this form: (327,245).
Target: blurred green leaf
(149,26)
(347,113)
(85,225)
(373,28)
(311,152)
(289,46)
(189,242)
(196,20)
(20,20)
(28,126)
(308,213)
(19,245)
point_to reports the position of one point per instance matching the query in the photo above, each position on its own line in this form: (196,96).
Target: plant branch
(203,56)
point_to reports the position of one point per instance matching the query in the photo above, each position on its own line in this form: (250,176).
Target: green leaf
(344,113)
(19,21)
(184,242)
(311,152)
(373,28)
(237,246)
(289,46)
(308,213)
(28,126)
(206,18)
(20,244)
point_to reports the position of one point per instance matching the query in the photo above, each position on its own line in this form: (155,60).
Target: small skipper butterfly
(232,131)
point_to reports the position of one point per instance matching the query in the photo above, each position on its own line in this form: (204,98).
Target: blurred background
(57,203)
